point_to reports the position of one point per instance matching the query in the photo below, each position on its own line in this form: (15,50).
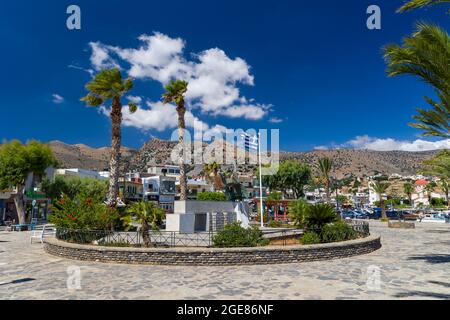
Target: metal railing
(361,227)
(169,239)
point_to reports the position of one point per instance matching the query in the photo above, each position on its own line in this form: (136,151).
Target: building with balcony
(161,190)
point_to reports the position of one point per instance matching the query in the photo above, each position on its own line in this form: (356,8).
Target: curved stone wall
(213,256)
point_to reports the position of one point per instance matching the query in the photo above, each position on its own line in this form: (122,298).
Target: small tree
(325,167)
(148,216)
(17,161)
(297,212)
(408,188)
(380,188)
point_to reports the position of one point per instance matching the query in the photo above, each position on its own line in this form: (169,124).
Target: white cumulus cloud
(213,76)
(366,142)
(57,99)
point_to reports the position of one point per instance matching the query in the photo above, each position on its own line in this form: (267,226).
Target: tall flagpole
(260,180)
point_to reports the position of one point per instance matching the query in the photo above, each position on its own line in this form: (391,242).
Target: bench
(47,230)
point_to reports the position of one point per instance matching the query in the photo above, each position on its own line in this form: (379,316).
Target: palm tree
(212,172)
(109,85)
(297,212)
(325,167)
(426,54)
(408,188)
(415,4)
(147,215)
(175,92)
(429,188)
(445,186)
(439,166)
(380,188)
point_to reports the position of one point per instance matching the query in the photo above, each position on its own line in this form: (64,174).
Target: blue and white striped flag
(250,142)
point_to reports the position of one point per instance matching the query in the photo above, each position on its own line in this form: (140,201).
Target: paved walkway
(413,264)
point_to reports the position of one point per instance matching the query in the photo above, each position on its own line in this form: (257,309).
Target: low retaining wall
(213,257)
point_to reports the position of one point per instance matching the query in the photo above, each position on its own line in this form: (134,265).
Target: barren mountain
(82,156)
(357,162)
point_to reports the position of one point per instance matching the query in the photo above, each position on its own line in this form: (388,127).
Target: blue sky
(313,70)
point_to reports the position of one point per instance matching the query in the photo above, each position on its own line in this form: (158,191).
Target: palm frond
(415,4)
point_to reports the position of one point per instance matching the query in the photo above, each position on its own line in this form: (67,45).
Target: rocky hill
(82,156)
(356,162)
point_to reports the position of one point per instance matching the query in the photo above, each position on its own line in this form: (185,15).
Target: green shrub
(211,196)
(235,236)
(297,212)
(265,217)
(83,213)
(338,231)
(319,215)
(274,196)
(275,224)
(310,237)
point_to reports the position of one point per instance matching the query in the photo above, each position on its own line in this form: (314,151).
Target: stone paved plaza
(413,264)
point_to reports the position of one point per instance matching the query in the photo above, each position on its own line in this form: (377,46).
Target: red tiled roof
(421,182)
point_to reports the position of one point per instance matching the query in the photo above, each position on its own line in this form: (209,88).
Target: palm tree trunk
(114,164)
(20,204)
(181,128)
(327,191)
(383,208)
(146,235)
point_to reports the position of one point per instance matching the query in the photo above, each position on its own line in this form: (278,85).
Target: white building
(81,173)
(164,170)
(160,189)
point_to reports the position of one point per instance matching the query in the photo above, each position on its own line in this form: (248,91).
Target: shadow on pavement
(423,294)
(18,281)
(433,258)
(439,283)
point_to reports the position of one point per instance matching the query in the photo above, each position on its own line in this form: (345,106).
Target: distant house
(196,186)
(33,192)
(132,190)
(161,190)
(420,195)
(164,170)
(82,173)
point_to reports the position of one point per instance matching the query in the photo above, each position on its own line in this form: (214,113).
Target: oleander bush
(83,213)
(235,236)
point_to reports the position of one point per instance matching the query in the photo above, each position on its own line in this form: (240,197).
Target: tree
(445,186)
(426,54)
(212,173)
(415,4)
(291,175)
(429,188)
(297,212)
(175,92)
(408,188)
(380,188)
(439,166)
(17,161)
(109,85)
(147,215)
(73,187)
(325,167)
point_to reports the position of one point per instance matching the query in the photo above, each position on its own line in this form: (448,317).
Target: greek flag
(250,142)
